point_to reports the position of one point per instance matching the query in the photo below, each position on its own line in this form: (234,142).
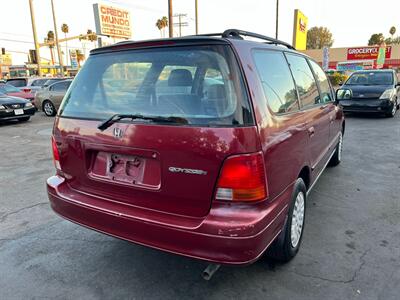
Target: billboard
(366,53)
(6,59)
(112,21)
(74,59)
(300,30)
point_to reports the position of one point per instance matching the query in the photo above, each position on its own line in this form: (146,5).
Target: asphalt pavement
(350,250)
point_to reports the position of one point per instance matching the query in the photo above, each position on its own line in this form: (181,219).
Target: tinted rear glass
(201,84)
(371,78)
(17,82)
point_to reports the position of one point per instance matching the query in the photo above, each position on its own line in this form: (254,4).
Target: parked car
(13,91)
(218,171)
(33,84)
(27,84)
(376,91)
(49,98)
(12,108)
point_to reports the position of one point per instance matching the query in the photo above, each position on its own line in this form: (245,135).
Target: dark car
(14,108)
(374,91)
(203,146)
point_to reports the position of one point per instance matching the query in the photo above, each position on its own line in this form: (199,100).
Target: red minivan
(203,146)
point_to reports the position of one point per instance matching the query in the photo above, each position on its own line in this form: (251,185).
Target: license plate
(18,112)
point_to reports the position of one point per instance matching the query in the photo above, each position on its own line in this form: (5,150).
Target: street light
(277,19)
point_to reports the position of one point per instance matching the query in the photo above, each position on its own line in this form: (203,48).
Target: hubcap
(340,147)
(48,108)
(297,220)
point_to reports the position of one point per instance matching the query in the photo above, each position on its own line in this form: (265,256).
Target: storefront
(358,58)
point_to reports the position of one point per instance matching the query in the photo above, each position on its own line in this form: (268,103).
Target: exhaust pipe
(209,271)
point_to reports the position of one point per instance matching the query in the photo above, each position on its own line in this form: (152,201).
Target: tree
(161,24)
(319,37)
(392,31)
(376,39)
(79,57)
(65,30)
(50,39)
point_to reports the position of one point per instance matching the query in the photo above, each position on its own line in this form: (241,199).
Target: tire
(24,119)
(287,244)
(393,111)
(337,156)
(49,108)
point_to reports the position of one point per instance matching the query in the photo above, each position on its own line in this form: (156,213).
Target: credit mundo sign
(112,21)
(366,53)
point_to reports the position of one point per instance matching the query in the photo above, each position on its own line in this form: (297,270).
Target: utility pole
(196,12)
(170,19)
(181,24)
(56,36)
(35,40)
(277,19)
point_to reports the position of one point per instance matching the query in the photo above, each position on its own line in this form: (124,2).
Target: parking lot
(350,250)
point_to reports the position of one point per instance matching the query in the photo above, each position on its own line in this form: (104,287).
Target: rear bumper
(370,105)
(227,236)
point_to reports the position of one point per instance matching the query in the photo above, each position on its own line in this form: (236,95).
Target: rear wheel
(337,156)
(286,246)
(24,119)
(49,109)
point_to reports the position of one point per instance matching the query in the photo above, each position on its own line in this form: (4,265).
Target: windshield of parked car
(201,84)
(371,78)
(6,88)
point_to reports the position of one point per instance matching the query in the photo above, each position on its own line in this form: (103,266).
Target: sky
(351,21)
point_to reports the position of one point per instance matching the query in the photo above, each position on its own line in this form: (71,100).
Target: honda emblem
(118,133)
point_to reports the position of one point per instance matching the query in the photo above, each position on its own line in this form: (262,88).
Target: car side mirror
(343,94)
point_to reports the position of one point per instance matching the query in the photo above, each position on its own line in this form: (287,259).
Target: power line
(16,41)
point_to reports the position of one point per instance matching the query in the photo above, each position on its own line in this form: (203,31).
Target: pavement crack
(5,216)
(353,277)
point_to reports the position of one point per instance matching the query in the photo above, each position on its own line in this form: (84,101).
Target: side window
(306,85)
(325,88)
(57,87)
(277,81)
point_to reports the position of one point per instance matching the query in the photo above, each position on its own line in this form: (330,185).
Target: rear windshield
(17,82)
(6,88)
(201,84)
(371,78)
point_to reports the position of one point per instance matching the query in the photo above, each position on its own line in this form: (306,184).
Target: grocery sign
(300,30)
(366,53)
(112,21)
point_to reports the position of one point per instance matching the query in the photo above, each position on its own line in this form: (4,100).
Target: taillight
(26,90)
(56,154)
(242,178)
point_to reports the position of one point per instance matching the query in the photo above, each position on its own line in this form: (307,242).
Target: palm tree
(79,57)
(161,24)
(165,24)
(50,39)
(392,31)
(65,29)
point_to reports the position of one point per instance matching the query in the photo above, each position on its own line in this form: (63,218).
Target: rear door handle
(311,131)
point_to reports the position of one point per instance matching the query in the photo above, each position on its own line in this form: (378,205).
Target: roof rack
(237,34)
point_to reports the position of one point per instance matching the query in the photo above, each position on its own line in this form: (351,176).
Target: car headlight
(28,105)
(388,94)
(2,107)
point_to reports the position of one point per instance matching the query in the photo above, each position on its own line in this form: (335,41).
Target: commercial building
(357,58)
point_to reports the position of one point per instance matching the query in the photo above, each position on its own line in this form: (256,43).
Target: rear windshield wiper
(117,117)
